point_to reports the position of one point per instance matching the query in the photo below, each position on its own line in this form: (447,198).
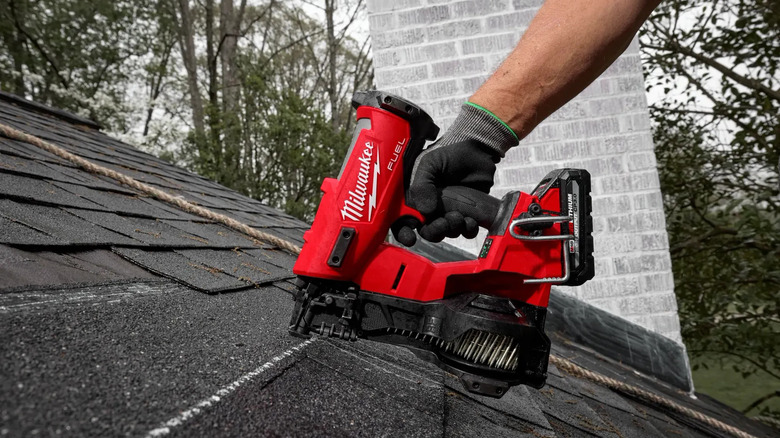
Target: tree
(716,134)
(74,55)
(272,69)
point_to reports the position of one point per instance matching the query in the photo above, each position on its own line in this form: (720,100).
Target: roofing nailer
(481,319)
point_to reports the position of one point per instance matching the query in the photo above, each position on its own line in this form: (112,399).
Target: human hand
(465,156)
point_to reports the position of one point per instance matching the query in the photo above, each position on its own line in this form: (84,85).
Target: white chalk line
(165,428)
(387,370)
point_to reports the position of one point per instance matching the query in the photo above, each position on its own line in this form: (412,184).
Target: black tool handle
(472,203)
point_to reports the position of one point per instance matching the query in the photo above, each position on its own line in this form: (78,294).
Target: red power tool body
(481,319)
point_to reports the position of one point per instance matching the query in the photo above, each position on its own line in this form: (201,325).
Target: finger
(406,236)
(456,224)
(403,230)
(434,231)
(471,228)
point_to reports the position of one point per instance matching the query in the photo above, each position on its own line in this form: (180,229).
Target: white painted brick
(386,58)
(428,91)
(648,201)
(426,15)
(376,6)
(526,4)
(543,133)
(512,21)
(559,151)
(591,127)
(470,85)
(614,85)
(641,161)
(634,122)
(382,21)
(601,288)
(488,44)
(603,265)
(630,84)
(654,241)
(626,64)
(519,154)
(599,166)
(480,8)
(642,305)
(403,56)
(401,75)
(445,107)
(642,263)
(452,30)
(635,181)
(650,220)
(573,110)
(458,67)
(617,105)
(623,243)
(398,38)
(611,204)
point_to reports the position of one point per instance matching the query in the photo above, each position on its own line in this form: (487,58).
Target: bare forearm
(567,45)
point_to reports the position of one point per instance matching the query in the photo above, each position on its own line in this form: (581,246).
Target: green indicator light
(485,248)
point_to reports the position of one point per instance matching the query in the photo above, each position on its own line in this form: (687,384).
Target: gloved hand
(466,155)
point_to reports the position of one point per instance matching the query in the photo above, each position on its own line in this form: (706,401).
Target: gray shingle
(20,268)
(29,167)
(14,233)
(216,235)
(117,202)
(65,227)
(40,191)
(147,232)
(237,264)
(203,277)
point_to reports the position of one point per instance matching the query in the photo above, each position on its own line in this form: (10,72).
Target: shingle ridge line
(562,363)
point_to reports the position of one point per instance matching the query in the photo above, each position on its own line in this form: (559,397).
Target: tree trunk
(230,93)
(332,86)
(187,45)
(211,57)
(229,26)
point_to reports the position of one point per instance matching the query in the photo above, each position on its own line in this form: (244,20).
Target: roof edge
(619,339)
(60,114)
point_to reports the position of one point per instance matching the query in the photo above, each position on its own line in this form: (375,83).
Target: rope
(563,364)
(616,385)
(185,205)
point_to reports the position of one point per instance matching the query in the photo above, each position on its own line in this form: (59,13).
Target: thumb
(424,197)
(423,193)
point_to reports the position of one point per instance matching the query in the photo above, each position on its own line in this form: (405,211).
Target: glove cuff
(477,123)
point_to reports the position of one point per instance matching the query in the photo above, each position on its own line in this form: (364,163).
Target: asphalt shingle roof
(105,329)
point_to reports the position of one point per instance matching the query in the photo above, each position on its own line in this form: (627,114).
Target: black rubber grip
(472,203)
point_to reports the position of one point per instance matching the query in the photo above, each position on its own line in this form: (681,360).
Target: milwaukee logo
(355,203)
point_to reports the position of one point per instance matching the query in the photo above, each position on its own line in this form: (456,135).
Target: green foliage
(302,148)
(292,123)
(73,54)
(716,135)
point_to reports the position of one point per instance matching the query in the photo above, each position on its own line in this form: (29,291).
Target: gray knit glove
(466,155)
